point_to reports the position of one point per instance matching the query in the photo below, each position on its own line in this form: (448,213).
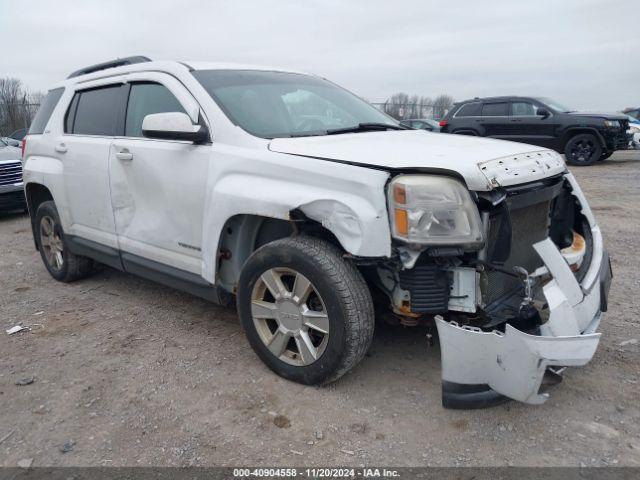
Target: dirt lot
(131,373)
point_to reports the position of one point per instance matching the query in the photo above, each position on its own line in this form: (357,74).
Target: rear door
(529,127)
(158,186)
(89,127)
(494,120)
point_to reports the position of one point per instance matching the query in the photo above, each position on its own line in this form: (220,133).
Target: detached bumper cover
(481,368)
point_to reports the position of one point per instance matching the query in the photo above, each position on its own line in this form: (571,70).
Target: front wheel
(583,150)
(306,311)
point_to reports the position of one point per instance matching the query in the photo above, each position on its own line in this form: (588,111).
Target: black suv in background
(584,138)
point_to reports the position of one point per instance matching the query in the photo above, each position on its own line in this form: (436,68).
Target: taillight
(23,145)
(443,123)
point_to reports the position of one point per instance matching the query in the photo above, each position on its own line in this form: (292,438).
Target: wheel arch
(466,131)
(243,234)
(573,131)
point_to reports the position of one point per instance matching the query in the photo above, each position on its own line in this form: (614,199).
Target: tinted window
(495,109)
(469,110)
(44,112)
(523,109)
(145,99)
(96,111)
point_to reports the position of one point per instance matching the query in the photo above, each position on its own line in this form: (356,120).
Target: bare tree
(401,106)
(441,106)
(17,105)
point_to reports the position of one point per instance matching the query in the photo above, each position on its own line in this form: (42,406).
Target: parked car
(10,141)
(19,134)
(422,124)
(634,131)
(202,176)
(11,186)
(632,112)
(583,137)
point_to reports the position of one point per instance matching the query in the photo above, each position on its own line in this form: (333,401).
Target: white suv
(306,206)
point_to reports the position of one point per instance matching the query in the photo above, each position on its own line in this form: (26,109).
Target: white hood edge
(484,163)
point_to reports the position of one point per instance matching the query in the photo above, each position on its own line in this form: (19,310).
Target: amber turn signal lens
(402,222)
(399,194)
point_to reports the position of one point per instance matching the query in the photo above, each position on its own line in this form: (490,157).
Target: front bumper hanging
(481,369)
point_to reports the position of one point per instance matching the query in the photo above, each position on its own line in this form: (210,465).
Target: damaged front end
(511,313)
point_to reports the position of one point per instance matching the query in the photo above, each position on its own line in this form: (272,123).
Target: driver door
(158,186)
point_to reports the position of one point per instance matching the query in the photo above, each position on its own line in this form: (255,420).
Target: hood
(483,163)
(605,115)
(10,153)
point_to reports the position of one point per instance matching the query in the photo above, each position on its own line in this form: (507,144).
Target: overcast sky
(583,53)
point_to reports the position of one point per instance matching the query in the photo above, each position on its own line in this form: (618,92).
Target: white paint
(461,155)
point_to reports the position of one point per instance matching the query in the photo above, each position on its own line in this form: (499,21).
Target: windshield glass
(276,104)
(558,107)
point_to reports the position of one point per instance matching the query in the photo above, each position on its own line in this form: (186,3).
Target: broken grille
(529,225)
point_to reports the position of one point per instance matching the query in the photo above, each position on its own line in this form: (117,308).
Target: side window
(44,112)
(96,111)
(495,109)
(145,99)
(469,110)
(523,109)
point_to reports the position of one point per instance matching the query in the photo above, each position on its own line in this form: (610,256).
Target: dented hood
(483,163)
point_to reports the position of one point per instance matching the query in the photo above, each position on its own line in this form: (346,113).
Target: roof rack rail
(118,62)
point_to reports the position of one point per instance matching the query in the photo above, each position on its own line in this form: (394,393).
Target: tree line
(402,105)
(18,106)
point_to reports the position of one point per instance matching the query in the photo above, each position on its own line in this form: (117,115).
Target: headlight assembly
(433,210)
(612,123)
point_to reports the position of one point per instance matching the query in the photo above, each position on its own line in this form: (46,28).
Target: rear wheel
(60,262)
(583,150)
(307,312)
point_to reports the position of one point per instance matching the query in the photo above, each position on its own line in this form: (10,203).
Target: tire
(337,291)
(63,265)
(605,155)
(583,150)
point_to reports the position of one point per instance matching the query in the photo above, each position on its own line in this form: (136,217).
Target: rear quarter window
(44,112)
(469,110)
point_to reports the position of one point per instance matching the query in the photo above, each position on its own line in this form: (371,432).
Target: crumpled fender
(348,200)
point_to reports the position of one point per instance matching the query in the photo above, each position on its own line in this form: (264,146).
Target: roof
(122,66)
(497,99)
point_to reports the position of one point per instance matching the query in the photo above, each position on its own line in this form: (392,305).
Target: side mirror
(173,126)
(543,112)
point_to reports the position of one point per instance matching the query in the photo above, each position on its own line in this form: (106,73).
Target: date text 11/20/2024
(315,472)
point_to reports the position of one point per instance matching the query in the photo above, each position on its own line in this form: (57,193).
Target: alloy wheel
(51,243)
(582,151)
(290,316)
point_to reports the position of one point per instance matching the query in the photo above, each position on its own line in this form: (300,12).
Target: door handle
(124,155)
(61,148)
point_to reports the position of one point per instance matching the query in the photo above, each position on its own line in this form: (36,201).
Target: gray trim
(145,268)
(100,253)
(171,277)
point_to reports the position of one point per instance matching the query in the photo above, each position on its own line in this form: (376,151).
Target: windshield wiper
(366,127)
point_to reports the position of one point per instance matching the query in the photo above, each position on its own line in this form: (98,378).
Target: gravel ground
(127,372)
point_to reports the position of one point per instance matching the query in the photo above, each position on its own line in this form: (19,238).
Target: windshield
(276,104)
(558,107)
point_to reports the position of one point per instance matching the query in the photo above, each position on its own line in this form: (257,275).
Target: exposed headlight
(612,123)
(433,210)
